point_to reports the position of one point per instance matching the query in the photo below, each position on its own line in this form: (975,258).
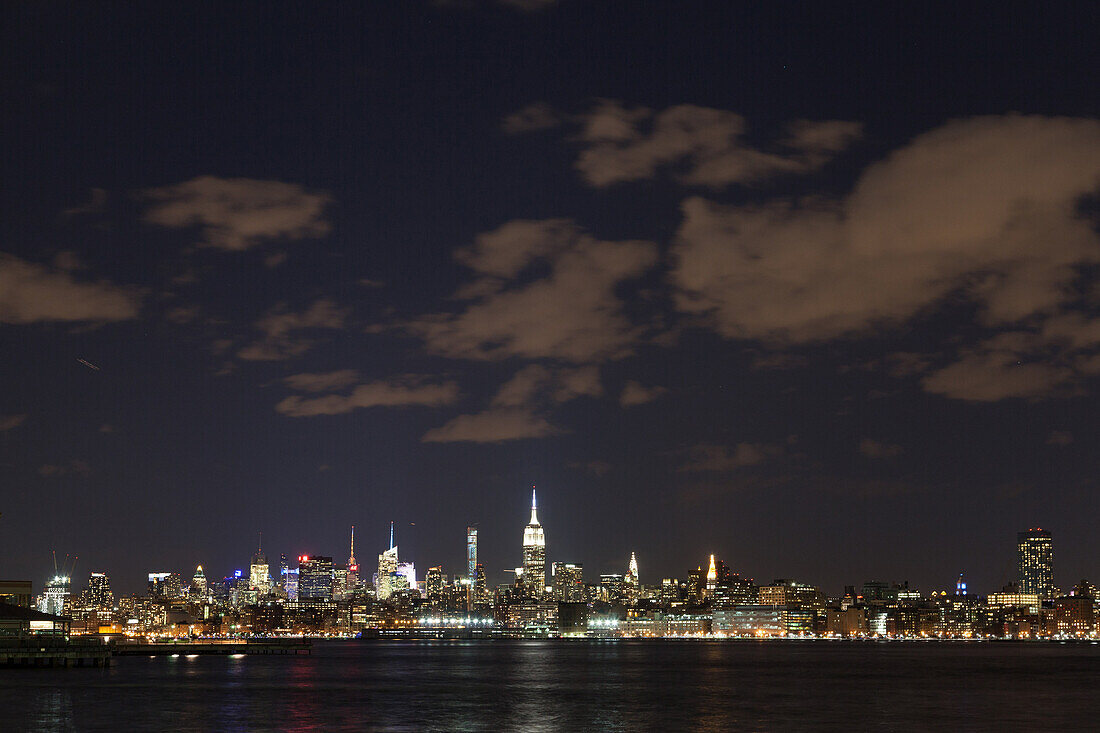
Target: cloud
(720,458)
(96,203)
(983,210)
(995,370)
(875,449)
(57,470)
(239,213)
(1060,437)
(544,289)
(33,293)
(495,425)
(596,468)
(183,314)
(10,422)
(533,117)
(323,382)
(405,391)
(518,408)
(634,393)
(697,145)
(282,328)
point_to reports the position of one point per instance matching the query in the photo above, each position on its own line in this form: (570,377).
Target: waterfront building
(314,577)
(847,622)
(534,555)
(568,582)
(1035,562)
(750,620)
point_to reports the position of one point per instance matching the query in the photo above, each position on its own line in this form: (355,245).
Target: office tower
(259,578)
(712,578)
(284,570)
(960,586)
(339,581)
(613,587)
(481,590)
(314,577)
(534,554)
(353,566)
(1035,560)
(471,553)
(198,584)
(387,569)
(165,585)
(696,590)
(568,582)
(99,591)
(630,581)
(55,596)
(434,585)
(291,584)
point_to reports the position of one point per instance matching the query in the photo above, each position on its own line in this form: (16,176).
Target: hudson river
(576,686)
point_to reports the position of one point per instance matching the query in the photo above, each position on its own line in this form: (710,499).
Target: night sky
(812,289)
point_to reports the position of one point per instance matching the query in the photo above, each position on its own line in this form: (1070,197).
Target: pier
(46,651)
(213,646)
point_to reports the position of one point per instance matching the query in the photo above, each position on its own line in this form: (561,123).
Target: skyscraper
(198,584)
(387,571)
(712,578)
(99,591)
(314,577)
(471,553)
(259,579)
(55,596)
(630,581)
(534,554)
(1035,561)
(568,582)
(353,566)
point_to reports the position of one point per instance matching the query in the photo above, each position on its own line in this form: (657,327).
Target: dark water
(575,686)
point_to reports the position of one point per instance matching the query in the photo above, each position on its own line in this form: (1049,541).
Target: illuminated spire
(633,569)
(351,558)
(534,507)
(712,576)
(391,534)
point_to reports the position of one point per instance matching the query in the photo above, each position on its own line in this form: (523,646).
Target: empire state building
(534,554)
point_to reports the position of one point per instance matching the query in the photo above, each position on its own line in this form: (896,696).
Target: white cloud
(876,449)
(409,390)
(495,425)
(984,208)
(570,313)
(697,145)
(282,329)
(239,213)
(635,393)
(32,293)
(322,382)
(10,422)
(711,458)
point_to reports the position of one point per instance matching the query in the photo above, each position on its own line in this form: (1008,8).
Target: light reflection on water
(552,686)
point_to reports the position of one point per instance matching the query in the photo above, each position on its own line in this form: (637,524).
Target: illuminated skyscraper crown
(532,534)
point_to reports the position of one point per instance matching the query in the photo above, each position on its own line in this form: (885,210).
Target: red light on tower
(303,558)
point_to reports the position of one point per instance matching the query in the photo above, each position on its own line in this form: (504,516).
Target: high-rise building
(259,579)
(314,577)
(471,554)
(99,591)
(284,570)
(55,596)
(165,585)
(198,584)
(712,578)
(353,567)
(387,571)
(568,582)
(1035,560)
(534,554)
(630,581)
(434,583)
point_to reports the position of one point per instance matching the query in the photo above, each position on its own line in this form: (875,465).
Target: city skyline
(813,289)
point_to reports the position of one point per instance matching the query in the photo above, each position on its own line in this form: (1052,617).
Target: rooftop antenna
(391,534)
(260,545)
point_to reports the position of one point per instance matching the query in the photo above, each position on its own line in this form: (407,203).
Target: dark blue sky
(811,289)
